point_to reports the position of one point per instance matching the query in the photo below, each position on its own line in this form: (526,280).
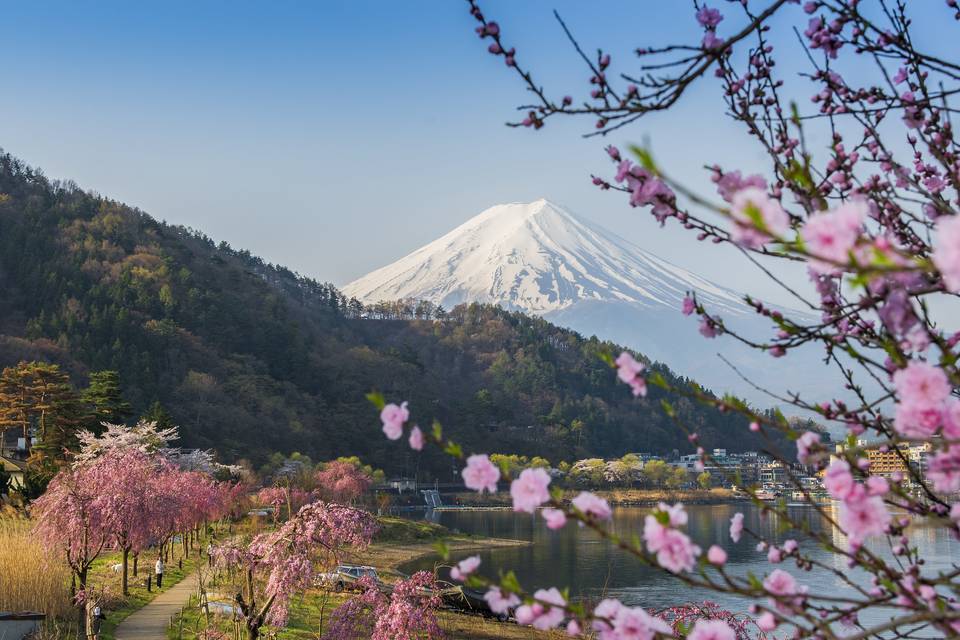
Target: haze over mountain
(541,258)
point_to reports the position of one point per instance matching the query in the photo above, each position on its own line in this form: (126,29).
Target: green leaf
(442,549)
(510,583)
(453,449)
(377,400)
(437,431)
(668,408)
(645,158)
(656,379)
(607,357)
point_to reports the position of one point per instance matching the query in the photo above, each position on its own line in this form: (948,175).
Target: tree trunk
(136,557)
(253,632)
(124,581)
(82,609)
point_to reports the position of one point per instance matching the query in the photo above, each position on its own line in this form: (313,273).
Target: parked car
(345,575)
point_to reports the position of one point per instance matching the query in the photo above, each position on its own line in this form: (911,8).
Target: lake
(592,567)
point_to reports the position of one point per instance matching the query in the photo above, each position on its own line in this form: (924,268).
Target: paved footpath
(150,622)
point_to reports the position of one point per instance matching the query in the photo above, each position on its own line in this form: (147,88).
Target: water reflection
(591,566)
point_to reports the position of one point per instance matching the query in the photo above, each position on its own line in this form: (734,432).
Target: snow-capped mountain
(541,258)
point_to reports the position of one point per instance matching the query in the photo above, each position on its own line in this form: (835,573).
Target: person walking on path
(94,618)
(158,569)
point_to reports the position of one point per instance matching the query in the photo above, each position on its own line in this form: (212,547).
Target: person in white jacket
(158,569)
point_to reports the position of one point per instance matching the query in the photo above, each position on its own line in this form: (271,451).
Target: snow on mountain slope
(540,258)
(536,257)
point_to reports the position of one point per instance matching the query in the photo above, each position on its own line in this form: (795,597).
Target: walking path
(150,622)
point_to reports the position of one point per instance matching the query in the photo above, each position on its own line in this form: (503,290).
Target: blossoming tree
(408,613)
(874,216)
(275,565)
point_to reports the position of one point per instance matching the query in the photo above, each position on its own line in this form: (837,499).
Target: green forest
(250,358)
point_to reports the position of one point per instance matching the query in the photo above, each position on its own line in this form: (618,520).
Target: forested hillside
(250,358)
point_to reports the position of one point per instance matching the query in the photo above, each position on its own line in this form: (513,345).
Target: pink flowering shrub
(685,617)
(408,613)
(873,215)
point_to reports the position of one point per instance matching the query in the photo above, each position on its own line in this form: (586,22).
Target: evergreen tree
(156,413)
(104,397)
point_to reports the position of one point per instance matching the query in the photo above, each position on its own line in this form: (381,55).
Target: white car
(345,575)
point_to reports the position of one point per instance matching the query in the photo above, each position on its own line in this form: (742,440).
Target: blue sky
(334,137)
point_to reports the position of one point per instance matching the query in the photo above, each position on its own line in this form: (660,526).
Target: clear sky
(334,137)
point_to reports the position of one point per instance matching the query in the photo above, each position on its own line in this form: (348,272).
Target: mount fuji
(540,258)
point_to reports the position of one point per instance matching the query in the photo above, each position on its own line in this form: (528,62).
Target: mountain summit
(541,258)
(536,257)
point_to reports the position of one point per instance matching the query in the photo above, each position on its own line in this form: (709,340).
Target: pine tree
(104,397)
(156,413)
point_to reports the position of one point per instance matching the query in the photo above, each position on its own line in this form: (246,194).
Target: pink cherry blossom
(634,623)
(789,546)
(832,235)
(767,622)
(573,628)
(757,218)
(393,418)
(416,439)
(944,470)
(711,630)
(877,486)
(774,555)
(675,552)
(480,474)
(838,481)
(629,370)
(863,518)
(736,527)
(500,602)
(946,253)
(540,614)
(922,390)
(689,306)
(556,519)
(782,584)
(716,555)
(529,491)
(709,17)
(805,443)
(592,505)
(464,568)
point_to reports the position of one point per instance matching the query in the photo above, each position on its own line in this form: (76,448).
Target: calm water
(590,566)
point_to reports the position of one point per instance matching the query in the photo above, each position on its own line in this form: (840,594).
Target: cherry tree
(872,215)
(408,613)
(72,519)
(277,564)
(342,482)
(129,501)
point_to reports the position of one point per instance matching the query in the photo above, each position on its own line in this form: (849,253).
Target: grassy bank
(617,497)
(399,541)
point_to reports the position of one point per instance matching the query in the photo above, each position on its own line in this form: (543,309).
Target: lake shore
(616,497)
